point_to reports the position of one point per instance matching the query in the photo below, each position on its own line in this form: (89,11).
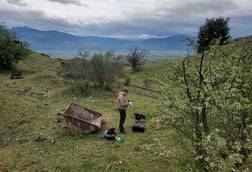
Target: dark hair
(125,90)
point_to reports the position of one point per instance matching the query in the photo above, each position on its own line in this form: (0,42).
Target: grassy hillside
(244,42)
(34,135)
(32,107)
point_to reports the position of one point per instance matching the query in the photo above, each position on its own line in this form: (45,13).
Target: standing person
(122,106)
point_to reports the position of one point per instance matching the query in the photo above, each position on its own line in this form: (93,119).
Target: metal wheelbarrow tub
(82,120)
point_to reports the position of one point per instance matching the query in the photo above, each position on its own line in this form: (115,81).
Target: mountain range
(60,43)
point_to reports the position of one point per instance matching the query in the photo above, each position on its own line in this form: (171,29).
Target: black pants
(122,119)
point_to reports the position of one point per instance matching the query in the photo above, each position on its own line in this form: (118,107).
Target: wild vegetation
(34,136)
(98,72)
(11,50)
(213,105)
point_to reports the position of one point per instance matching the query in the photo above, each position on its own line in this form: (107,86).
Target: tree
(11,50)
(136,58)
(212,105)
(213,29)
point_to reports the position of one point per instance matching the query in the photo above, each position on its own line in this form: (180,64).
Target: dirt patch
(44,78)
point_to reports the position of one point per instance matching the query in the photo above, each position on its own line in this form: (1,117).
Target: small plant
(16,74)
(155,148)
(127,81)
(147,83)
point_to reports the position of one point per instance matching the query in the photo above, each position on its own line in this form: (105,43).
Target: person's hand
(130,103)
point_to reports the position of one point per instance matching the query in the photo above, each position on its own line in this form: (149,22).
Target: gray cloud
(33,18)
(17,2)
(134,18)
(74,2)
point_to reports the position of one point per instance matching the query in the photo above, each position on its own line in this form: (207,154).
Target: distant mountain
(54,42)
(176,42)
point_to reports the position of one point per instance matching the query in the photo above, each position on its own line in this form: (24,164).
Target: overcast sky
(126,18)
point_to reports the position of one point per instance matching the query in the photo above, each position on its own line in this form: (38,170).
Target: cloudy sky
(126,18)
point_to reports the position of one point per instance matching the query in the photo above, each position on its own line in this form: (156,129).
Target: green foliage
(213,29)
(99,71)
(16,74)
(156,148)
(75,69)
(11,50)
(81,87)
(103,70)
(127,81)
(214,94)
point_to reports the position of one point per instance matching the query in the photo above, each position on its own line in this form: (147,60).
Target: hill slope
(243,42)
(33,136)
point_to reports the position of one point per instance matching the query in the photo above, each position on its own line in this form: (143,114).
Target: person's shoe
(123,132)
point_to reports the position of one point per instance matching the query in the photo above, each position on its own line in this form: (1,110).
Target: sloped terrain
(34,137)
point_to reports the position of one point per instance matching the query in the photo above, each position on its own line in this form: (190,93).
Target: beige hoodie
(121,102)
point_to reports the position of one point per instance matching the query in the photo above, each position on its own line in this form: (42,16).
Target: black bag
(139,116)
(110,134)
(138,127)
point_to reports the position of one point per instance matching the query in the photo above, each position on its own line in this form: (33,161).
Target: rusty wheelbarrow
(82,120)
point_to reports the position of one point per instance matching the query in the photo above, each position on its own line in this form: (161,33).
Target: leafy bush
(16,74)
(103,71)
(11,50)
(76,69)
(81,87)
(127,81)
(100,70)
(213,105)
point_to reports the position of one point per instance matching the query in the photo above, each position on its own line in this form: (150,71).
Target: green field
(32,107)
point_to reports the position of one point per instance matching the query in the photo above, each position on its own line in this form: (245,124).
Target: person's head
(125,91)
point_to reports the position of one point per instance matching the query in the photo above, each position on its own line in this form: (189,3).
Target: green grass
(29,108)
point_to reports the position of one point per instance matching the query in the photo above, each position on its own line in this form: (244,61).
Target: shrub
(81,87)
(16,74)
(100,70)
(11,50)
(127,81)
(76,69)
(212,106)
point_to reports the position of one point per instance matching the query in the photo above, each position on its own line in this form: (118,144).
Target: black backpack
(110,134)
(139,116)
(139,126)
